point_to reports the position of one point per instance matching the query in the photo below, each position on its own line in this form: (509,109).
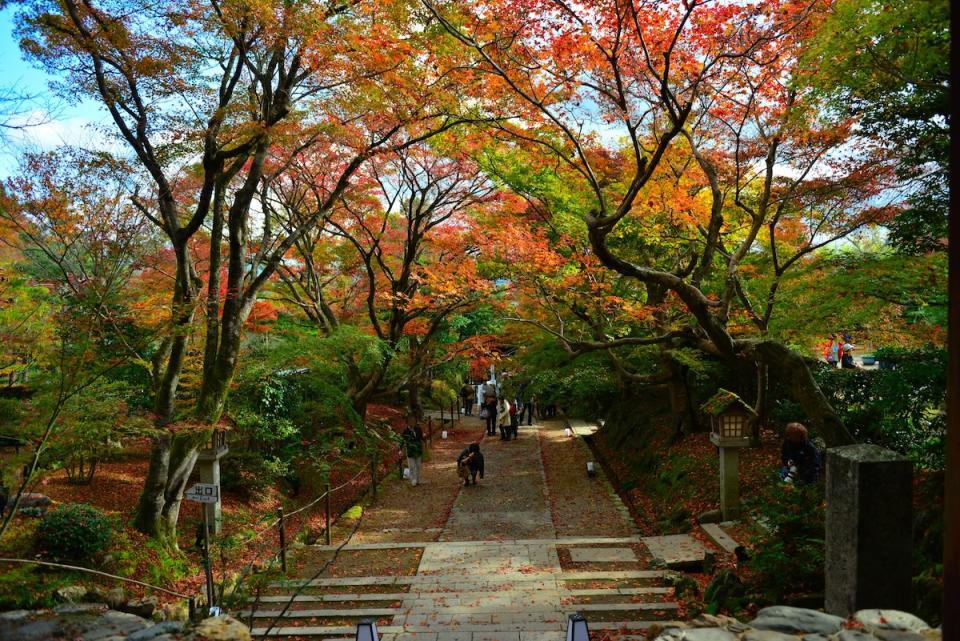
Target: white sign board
(203,493)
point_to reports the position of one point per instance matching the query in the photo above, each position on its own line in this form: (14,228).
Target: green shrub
(75,532)
(788,555)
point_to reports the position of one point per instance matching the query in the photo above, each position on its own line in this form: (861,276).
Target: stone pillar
(208,467)
(868,529)
(729,482)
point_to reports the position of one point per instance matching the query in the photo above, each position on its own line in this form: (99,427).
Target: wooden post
(373,474)
(283,541)
(329,522)
(951,504)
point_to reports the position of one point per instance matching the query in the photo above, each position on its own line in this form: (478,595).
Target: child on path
(470,463)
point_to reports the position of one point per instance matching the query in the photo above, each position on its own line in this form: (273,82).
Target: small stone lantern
(730,418)
(208,467)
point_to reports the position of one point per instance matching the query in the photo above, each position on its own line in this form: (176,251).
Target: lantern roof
(724,401)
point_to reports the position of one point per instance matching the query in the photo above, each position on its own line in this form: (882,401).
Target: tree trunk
(171,464)
(790,367)
(679,398)
(760,420)
(413,402)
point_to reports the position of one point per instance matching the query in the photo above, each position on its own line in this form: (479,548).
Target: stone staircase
(475,591)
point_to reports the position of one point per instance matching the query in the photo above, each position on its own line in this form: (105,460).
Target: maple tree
(689,85)
(214,101)
(406,226)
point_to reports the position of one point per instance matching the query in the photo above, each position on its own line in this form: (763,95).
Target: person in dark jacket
(470,463)
(799,457)
(413,444)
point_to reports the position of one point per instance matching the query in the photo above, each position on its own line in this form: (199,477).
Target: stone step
(319,631)
(536,611)
(460,614)
(301,614)
(520,632)
(566,540)
(448,580)
(312,598)
(719,536)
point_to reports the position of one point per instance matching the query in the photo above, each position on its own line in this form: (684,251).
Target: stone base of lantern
(730,482)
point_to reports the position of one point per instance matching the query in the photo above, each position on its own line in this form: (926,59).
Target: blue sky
(64,122)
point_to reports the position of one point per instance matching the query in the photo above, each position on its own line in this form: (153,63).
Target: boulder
(704,620)
(161,629)
(898,635)
(141,607)
(176,611)
(224,628)
(766,635)
(33,499)
(874,620)
(697,634)
(116,597)
(72,593)
(710,516)
(855,635)
(783,618)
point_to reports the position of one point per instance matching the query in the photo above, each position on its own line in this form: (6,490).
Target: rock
(34,499)
(704,620)
(697,634)
(81,608)
(141,607)
(658,627)
(176,611)
(709,561)
(738,628)
(72,593)
(897,635)
(656,563)
(151,633)
(36,631)
(874,620)
(855,635)
(116,597)
(224,628)
(710,516)
(95,595)
(14,615)
(766,635)
(783,618)
(814,637)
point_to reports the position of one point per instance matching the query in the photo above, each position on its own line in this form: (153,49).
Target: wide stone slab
(680,551)
(602,555)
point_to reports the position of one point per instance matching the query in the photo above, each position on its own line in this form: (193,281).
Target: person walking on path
(466,393)
(490,407)
(503,418)
(413,443)
(516,413)
(470,463)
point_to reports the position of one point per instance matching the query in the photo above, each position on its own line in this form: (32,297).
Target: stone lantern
(730,419)
(208,467)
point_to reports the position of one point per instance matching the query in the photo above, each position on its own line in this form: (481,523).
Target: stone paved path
(497,571)
(511,501)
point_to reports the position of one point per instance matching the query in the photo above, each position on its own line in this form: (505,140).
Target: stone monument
(868,529)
